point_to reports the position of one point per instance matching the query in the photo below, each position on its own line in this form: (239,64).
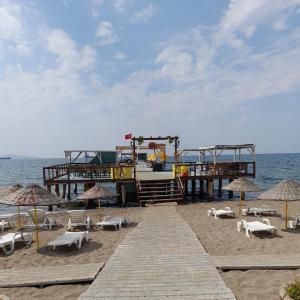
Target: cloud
(106,34)
(144,15)
(12,28)
(120,5)
(120,56)
(68,56)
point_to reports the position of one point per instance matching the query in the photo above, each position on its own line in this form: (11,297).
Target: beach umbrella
(241,185)
(33,195)
(8,190)
(97,192)
(286,190)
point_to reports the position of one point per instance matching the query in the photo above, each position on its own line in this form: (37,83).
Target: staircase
(159,191)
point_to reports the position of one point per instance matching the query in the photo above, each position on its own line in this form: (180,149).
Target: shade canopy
(241,185)
(96,192)
(286,190)
(32,195)
(7,190)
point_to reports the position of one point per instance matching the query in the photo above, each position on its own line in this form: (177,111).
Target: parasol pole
(36,229)
(99,207)
(19,217)
(286,215)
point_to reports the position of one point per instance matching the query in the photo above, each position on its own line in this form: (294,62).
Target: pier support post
(230,193)
(201,187)
(220,188)
(64,191)
(186,187)
(210,189)
(75,189)
(69,192)
(193,189)
(123,192)
(57,189)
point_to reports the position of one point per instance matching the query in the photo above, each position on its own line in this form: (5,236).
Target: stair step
(160,196)
(158,191)
(161,201)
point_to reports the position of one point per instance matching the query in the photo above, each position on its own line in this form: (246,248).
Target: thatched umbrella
(97,192)
(33,195)
(241,185)
(8,190)
(286,190)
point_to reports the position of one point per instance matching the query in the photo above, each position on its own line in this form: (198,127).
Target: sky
(80,74)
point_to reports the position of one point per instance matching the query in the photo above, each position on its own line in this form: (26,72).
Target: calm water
(271,168)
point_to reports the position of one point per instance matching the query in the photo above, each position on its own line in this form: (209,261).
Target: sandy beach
(99,248)
(219,237)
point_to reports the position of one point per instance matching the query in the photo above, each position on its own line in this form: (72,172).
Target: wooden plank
(259,262)
(40,276)
(161,258)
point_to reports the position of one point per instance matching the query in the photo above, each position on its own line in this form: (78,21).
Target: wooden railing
(87,171)
(180,186)
(223,169)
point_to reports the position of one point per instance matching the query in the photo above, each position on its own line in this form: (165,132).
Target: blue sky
(81,74)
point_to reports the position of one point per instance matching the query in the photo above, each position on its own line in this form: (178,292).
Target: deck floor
(258,262)
(160,259)
(37,276)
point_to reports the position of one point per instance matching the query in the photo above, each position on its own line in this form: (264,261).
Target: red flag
(128,136)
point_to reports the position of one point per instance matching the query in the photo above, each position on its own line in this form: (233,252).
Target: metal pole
(99,206)
(286,215)
(19,218)
(36,229)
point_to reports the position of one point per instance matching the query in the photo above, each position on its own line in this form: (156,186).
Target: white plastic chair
(7,241)
(78,218)
(43,220)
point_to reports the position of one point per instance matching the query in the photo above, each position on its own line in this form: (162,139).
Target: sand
(220,237)
(99,248)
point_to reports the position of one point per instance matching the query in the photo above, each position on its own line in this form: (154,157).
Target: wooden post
(201,187)
(210,189)
(69,191)
(230,193)
(57,189)
(220,188)
(75,189)
(286,215)
(123,192)
(64,191)
(186,187)
(193,189)
(134,158)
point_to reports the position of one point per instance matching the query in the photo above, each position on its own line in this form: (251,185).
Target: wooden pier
(160,259)
(195,180)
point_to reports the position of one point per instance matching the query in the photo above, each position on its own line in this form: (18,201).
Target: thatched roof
(241,185)
(286,190)
(7,190)
(96,192)
(32,195)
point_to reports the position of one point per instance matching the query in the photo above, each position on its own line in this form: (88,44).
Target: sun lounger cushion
(7,241)
(111,222)
(224,212)
(257,226)
(69,238)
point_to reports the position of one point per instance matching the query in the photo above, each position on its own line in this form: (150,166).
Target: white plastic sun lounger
(224,212)
(69,238)
(7,241)
(78,218)
(111,222)
(256,226)
(265,209)
(43,220)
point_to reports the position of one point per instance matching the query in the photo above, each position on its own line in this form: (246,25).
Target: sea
(270,169)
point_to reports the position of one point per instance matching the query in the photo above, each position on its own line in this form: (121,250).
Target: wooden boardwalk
(160,259)
(40,276)
(259,262)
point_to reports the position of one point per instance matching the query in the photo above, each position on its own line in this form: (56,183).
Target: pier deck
(160,259)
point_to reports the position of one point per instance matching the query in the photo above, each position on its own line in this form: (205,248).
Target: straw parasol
(6,191)
(33,195)
(241,185)
(97,192)
(286,190)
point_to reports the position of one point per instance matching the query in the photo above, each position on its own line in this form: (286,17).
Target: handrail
(180,185)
